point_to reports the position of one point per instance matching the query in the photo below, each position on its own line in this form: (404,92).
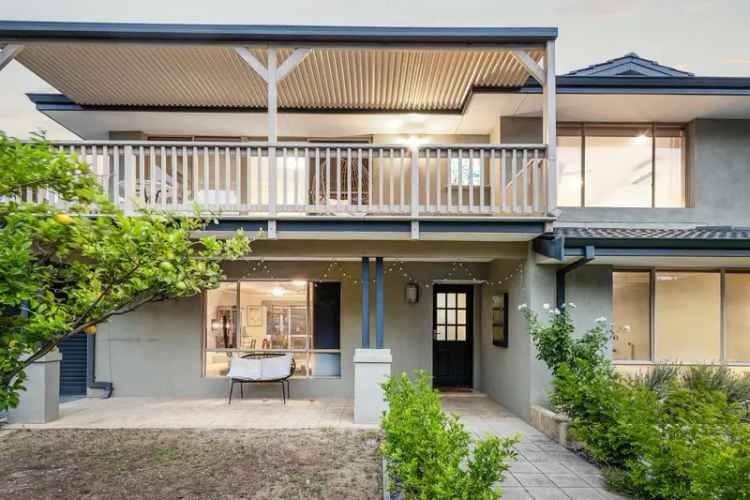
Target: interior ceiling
(480,117)
(328,78)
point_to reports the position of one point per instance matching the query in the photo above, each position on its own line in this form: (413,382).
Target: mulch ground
(200,464)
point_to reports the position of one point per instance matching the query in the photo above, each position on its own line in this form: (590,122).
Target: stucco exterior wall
(157,350)
(718,157)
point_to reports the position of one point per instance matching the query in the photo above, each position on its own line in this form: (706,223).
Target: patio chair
(261,368)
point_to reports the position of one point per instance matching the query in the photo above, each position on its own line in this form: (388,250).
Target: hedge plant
(670,434)
(429,453)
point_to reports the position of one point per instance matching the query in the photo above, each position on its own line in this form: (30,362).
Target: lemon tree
(63,272)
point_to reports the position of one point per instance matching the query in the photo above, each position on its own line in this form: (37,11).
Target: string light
(458,271)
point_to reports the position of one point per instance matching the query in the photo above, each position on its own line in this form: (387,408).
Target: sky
(702,36)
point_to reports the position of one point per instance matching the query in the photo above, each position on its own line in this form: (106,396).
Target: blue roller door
(73,366)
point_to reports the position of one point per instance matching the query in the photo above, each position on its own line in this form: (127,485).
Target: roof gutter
(35,31)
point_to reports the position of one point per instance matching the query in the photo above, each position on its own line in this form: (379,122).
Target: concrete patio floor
(544,469)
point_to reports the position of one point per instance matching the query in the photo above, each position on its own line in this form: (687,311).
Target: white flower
(545,306)
(556,311)
(570,304)
(601,319)
(523,307)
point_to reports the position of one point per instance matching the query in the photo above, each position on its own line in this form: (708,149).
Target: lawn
(165,464)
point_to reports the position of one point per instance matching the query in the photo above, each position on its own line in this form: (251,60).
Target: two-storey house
(411,188)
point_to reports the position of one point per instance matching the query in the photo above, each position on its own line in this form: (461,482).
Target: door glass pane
(441,316)
(631,304)
(461,333)
(451,333)
(440,332)
(221,317)
(688,316)
(461,300)
(461,319)
(618,166)
(451,302)
(569,149)
(440,300)
(670,167)
(451,317)
(737,311)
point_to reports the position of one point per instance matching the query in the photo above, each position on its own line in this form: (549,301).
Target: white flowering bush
(555,341)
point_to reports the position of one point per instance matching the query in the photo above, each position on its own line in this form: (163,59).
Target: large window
(681,316)
(621,166)
(275,316)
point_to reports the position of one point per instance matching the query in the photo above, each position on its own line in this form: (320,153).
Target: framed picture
(254,316)
(500,320)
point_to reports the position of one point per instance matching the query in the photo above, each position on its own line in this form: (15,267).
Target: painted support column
(379,297)
(272,131)
(550,124)
(365,302)
(40,402)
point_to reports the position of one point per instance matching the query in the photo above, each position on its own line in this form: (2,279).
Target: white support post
(536,71)
(272,74)
(415,182)
(550,125)
(9,53)
(129,180)
(272,130)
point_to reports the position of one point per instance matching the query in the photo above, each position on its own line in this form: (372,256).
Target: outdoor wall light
(412,293)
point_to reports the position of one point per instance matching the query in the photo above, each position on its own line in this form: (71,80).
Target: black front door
(452,332)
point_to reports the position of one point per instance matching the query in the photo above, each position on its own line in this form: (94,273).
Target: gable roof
(630,64)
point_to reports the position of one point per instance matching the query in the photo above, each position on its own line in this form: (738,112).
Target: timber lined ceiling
(405,79)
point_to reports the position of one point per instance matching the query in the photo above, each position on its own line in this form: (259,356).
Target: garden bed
(190,464)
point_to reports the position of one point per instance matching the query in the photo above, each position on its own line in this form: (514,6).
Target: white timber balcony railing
(308,179)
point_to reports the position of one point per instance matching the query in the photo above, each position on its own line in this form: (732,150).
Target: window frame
(652,126)
(309,351)
(722,271)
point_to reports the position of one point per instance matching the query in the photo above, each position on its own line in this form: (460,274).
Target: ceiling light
(278,291)
(413,142)
(641,139)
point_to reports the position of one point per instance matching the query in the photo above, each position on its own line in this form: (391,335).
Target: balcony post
(272,130)
(415,182)
(379,309)
(365,302)
(550,124)
(129,193)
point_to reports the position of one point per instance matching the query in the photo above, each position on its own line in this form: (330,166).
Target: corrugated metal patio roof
(329,78)
(348,68)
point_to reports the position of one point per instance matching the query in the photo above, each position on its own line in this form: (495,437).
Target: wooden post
(415,182)
(365,302)
(379,296)
(272,130)
(550,124)
(129,180)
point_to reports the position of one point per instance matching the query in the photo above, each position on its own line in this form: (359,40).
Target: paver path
(544,469)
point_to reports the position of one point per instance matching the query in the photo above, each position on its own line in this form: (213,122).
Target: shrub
(660,379)
(735,387)
(664,435)
(428,452)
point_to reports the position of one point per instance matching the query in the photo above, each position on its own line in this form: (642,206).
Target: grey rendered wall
(505,370)
(156,351)
(719,175)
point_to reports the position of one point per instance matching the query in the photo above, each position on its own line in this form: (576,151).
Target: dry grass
(165,464)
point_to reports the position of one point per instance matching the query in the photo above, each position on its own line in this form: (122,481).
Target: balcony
(311,179)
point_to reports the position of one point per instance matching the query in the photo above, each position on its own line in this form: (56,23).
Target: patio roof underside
(329,78)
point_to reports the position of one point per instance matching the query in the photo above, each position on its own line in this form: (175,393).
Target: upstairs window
(621,166)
